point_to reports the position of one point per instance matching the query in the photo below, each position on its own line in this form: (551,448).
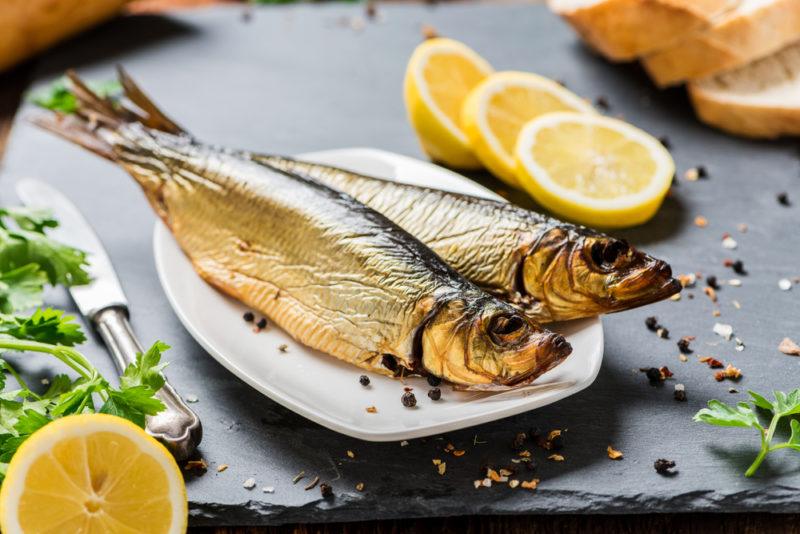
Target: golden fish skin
(555,270)
(335,274)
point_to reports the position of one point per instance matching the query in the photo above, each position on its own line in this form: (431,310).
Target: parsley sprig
(742,415)
(58,97)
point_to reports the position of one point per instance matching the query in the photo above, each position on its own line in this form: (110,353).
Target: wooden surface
(12,87)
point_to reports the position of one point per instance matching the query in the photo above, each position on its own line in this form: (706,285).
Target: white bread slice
(623,30)
(755,29)
(761,99)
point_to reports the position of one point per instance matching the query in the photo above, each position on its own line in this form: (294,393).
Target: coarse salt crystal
(250,483)
(723,330)
(785,284)
(735,282)
(729,243)
(268,489)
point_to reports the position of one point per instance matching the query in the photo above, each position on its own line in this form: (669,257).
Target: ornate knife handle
(177,427)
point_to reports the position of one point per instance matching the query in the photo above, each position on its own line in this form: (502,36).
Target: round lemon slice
(592,169)
(440,74)
(495,111)
(93,473)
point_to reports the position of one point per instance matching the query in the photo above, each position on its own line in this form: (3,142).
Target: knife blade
(104,305)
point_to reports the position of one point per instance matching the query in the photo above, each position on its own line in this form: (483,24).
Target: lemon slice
(92,473)
(592,169)
(439,75)
(497,108)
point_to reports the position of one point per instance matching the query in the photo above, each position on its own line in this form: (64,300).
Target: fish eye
(606,252)
(503,328)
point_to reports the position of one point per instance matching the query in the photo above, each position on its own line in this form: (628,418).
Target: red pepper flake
(556,458)
(196,465)
(710,293)
(700,221)
(712,362)
(665,372)
(613,453)
(372,409)
(530,484)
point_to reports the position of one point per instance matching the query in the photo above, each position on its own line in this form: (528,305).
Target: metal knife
(104,305)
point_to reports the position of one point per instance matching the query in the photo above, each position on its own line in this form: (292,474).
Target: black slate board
(302,78)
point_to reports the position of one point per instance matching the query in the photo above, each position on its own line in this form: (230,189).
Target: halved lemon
(439,75)
(92,473)
(592,169)
(495,111)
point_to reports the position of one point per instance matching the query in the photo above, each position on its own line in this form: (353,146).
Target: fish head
(580,273)
(484,341)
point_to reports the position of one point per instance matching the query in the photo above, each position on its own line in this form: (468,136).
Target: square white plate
(327,390)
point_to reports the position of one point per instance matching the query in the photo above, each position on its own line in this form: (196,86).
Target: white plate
(326,390)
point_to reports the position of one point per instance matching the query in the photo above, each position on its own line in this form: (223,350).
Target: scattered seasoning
(680,393)
(441,466)
(221,468)
(404,443)
(298,477)
(783,199)
(248,317)
(654,375)
(553,442)
(513,483)
(742,228)
(683,344)
(738,267)
(602,103)
(691,174)
(261,324)
(351,454)
(683,358)
(700,221)
(712,362)
(283,348)
(785,284)
(789,347)
(663,467)
(249,484)
(372,409)
(363,380)
(729,243)
(518,443)
(710,293)
(687,280)
(371,9)
(651,323)
(711,281)
(268,489)
(730,372)
(312,484)
(360,486)
(723,330)
(195,465)
(408,399)
(459,453)
(530,484)
(735,282)
(434,381)
(736,304)
(429,32)
(435,394)
(613,453)
(325,490)
(556,458)
(663,333)
(191,398)
(739,345)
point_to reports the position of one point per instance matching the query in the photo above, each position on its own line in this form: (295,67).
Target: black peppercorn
(518,442)
(435,394)
(363,380)
(651,323)
(680,395)
(262,323)
(602,103)
(783,199)
(738,267)
(325,490)
(702,172)
(556,441)
(653,374)
(434,381)
(711,281)
(408,399)
(248,316)
(663,466)
(683,345)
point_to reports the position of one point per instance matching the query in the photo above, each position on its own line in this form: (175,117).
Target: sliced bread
(623,30)
(755,29)
(761,99)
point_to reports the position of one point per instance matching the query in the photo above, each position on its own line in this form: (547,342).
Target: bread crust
(623,30)
(738,38)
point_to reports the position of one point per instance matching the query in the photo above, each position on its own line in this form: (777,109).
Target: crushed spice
(663,466)
(680,393)
(683,344)
(556,458)
(789,347)
(372,409)
(730,372)
(312,484)
(613,453)
(712,362)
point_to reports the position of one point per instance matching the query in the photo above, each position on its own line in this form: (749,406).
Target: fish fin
(78,131)
(154,118)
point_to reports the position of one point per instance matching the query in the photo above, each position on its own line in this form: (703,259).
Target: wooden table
(12,87)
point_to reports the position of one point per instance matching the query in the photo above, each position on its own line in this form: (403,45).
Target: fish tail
(150,116)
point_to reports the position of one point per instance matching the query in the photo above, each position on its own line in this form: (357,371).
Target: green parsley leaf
(21,288)
(742,415)
(146,370)
(33,219)
(45,325)
(132,404)
(63,264)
